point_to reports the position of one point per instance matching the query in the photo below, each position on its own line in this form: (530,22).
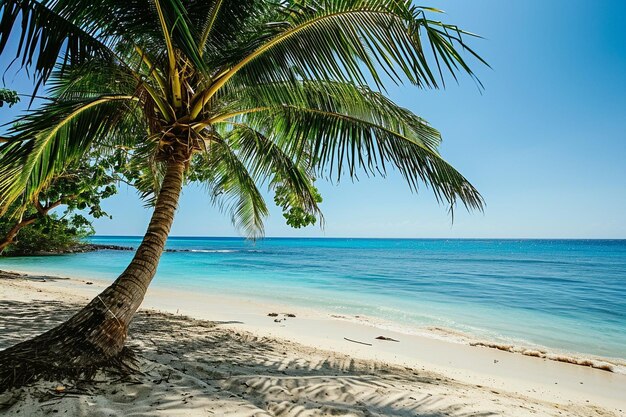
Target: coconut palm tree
(254,92)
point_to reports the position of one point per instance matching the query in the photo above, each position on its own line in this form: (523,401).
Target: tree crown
(257,93)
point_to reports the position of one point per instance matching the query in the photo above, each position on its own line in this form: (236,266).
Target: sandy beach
(213,355)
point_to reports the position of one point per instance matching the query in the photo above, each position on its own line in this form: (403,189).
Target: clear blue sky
(545,142)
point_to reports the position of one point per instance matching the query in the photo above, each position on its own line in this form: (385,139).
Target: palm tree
(254,92)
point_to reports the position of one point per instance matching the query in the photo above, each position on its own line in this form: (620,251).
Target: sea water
(568,295)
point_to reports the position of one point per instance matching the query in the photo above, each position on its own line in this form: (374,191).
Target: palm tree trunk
(95,336)
(126,294)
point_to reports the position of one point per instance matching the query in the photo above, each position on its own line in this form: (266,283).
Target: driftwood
(356,341)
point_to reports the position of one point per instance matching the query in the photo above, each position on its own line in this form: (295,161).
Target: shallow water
(568,295)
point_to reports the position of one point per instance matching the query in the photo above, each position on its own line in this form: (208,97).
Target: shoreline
(540,378)
(445,334)
(538,297)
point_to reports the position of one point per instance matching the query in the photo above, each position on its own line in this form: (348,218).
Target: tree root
(17,370)
(92,340)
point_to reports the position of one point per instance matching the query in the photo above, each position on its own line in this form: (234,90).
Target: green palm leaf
(234,189)
(348,40)
(46,141)
(49,36)
(344,144)
(250,93)
(269,163)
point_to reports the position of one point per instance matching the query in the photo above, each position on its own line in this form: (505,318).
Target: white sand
(245,364)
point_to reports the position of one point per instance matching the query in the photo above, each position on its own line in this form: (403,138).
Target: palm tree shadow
(21,321)
(201,365)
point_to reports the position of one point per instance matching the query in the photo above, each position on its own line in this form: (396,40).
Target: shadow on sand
(203,366)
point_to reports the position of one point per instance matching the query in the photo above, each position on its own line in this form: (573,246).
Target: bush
(50,234)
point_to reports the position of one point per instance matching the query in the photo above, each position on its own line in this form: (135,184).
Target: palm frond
(232,187)
(339,97)
(215,7)
(350,41)
(144,172)
(183,33)
(44,142)
(347,129)
(49,36)
(227,26)
(269,163)
(345,144)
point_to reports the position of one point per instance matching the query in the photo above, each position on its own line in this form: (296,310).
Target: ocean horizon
(565,295)
(234,237)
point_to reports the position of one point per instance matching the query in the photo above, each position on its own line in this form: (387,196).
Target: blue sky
(545,142)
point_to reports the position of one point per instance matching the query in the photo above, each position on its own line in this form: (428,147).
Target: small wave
(456,336)
(216,250)
(399,328)
(605,364)
(213,250)
(597,363)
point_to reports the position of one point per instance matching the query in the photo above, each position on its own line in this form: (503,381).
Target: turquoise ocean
(565,295)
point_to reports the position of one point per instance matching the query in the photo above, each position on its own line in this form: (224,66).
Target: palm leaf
(48,38)
(340,39)
(233,188)
(344,144)
(46,141)
(269,163)
(338,97)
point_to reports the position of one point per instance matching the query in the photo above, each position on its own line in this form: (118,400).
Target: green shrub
(50,234)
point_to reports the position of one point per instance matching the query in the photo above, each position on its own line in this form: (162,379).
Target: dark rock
(389,339)
(90,247)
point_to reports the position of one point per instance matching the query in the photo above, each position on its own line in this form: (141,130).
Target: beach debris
(540,353)
(388,339)
(281,319)
(535,353)
(356,341)
(499,346)
(89,283)
(59,389)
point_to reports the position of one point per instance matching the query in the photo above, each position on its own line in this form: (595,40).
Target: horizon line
(372,238)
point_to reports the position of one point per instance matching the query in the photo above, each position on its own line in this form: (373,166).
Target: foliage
(8,96)
(295,215)
(78,190)
(250,92)
(51,234)
(84,186)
